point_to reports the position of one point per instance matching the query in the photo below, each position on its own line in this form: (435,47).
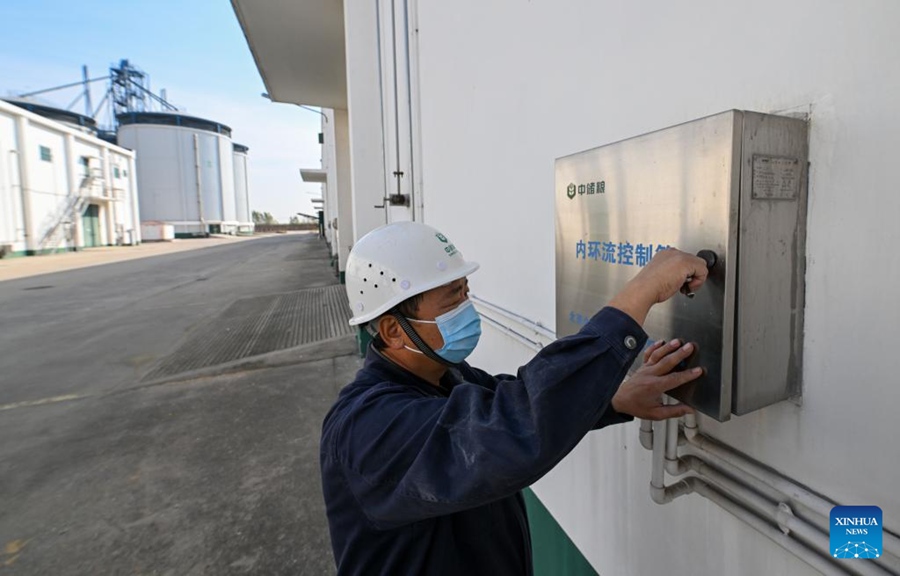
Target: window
(46,154)
(116,171)
(85,163)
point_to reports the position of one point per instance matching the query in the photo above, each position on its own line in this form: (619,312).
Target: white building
(61,187)
(454,114)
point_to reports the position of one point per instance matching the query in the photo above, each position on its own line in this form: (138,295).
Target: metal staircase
(65,219)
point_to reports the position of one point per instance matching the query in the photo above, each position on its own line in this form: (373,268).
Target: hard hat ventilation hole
(365,280)
(360,291)
(370,265)
(376,285)
(393,279)
(382,272)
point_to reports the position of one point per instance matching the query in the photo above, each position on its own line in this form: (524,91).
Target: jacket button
(630,342)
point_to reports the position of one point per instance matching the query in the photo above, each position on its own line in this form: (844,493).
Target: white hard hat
(396,262)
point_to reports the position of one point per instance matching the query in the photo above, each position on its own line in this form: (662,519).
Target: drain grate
(261,324)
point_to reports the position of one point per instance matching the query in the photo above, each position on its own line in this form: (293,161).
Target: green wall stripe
(554,552)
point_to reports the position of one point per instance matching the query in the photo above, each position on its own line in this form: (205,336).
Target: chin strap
(417,340)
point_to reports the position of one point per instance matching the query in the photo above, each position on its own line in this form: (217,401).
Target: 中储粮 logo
(589,188)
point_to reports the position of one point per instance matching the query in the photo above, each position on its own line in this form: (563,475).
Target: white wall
(330,187)
(125,220)
(343,183)
(507,87)
(48,179)
(364,98)
(12,228)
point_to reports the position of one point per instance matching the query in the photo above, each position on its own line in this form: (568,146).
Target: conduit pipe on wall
(522,339)
(646,435)
(199,183)
(742,502)
(812,507)
(541,336)
(778,513)
(773,534)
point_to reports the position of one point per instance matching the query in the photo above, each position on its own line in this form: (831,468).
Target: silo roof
(53,113)
(169,119)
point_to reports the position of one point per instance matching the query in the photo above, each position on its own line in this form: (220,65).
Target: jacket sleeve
(408,457)
(608,418)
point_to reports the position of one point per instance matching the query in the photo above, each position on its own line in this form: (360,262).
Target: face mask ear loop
(417,340)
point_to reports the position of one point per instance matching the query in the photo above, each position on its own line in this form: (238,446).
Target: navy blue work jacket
(423,480)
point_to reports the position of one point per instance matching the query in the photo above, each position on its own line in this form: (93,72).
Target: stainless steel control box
(734,183)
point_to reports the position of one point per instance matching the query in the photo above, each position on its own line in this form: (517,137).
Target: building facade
(455,114)
(62,188)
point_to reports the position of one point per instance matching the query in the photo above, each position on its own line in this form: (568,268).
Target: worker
(424,456)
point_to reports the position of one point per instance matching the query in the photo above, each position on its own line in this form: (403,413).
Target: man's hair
(408,309)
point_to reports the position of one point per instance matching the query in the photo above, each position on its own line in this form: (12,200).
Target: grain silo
(242,190)
(185,171)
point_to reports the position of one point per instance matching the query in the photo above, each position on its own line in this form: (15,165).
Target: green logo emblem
(441,237)
(590,189)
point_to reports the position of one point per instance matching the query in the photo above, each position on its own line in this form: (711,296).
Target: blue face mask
(460,328)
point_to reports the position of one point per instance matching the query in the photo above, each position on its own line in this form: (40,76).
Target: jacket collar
(378,362)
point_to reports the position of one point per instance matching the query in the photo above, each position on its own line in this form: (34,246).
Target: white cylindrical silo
(242,190)
(184,169)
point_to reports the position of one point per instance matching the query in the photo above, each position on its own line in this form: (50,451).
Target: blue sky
(194,49)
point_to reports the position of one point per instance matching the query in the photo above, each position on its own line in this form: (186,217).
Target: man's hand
(658,281)
(641,395)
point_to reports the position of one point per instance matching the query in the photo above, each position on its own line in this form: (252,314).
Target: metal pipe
(662,494)
(740,464)
(673,465)
(791,545)
(780,514)
(109,194)
(521,338)
(87,91)
(657,466)
(729,456)
(815,509)
(399,172)
(666,494)
(384,143)
(646,434)
(132,197)
(534,324)
(36,92)
(659,492)
(199,187)
(409,110)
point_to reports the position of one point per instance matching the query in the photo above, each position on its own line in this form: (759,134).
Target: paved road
(103,473)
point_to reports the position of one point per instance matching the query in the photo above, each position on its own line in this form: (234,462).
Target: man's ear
(391,332)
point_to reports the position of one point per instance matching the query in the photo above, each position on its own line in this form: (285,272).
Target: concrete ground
(214,471)
(14,268)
